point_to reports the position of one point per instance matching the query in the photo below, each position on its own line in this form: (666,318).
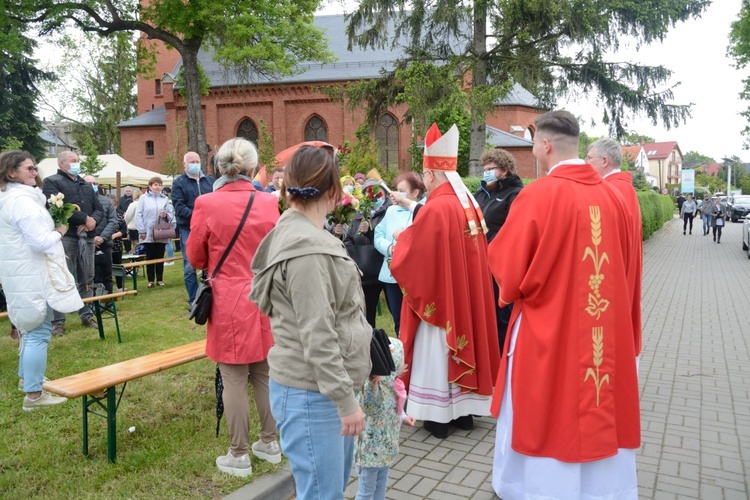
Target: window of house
(158,86)
(316,130)
(149,148)
(386,133)
(248,130)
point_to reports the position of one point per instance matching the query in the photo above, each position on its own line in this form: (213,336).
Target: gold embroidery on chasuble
(429,310)
(596,303)
(461,343)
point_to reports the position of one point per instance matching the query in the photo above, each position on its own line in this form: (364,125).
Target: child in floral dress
(383,403)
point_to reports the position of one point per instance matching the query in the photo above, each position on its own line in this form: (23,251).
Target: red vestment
(442,270)
(574,381)
(623,182)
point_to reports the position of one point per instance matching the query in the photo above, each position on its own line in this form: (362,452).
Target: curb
(276,486)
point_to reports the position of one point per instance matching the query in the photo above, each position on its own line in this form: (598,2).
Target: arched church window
(248,130)
(316,130)
(386,133)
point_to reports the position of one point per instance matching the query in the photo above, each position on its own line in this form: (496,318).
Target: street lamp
(729,162)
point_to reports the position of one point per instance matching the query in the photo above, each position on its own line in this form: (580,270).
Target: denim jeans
(706,223)
(373,482)
(310,428)
(75,266)
(394,297)
(32,362)
(191,281)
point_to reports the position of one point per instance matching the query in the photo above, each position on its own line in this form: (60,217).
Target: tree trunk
(196,128)
(478,78)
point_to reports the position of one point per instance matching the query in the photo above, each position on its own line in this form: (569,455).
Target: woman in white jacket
(130,219)
(33,271)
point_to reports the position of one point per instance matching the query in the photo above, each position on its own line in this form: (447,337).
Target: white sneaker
(46,399)
(236,466)
(20,383)
(169,263)
(270,452)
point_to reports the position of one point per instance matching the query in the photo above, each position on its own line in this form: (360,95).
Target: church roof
(155,118)
(357,64)
(502,139)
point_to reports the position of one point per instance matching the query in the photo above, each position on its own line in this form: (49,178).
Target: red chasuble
(574,381)
(623,182)
(442,270)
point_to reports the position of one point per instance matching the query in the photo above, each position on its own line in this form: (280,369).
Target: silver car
(746,235)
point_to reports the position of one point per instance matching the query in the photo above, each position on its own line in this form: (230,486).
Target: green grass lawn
(170,454)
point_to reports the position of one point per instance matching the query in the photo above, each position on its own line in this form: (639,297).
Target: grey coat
(108,226)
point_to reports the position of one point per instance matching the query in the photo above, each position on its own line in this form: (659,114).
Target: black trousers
(717,229)
(155,251)
(685,218)
(372,294)
(117,259)
(103,267)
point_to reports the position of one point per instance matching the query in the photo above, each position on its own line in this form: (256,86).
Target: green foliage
(584,142)
(693,159)
(656,209)
(739,49)
(709,183)
(204,83)
(639,180)
(531,42)
(363,156)
(19,78)
(172,166)
(266,155)
(633,138)
(472,183)
(91,164)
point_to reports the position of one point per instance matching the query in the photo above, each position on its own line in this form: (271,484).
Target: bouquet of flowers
(344,211)
(368,201)
(60,211)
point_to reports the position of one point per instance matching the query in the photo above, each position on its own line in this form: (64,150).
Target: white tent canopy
(130,175)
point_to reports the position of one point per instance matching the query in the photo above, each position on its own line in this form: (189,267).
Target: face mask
(489,176)
(348,189)
(95,188)
(379,203)
(194,168)
(404,194)
(75,169)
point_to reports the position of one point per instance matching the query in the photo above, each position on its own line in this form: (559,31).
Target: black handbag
(368,259)
(380,354)
(201,308)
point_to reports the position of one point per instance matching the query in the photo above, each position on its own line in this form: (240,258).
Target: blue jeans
(706,223)
(373,482)
(32,362)
(188,273)
(394,298)
(310,428)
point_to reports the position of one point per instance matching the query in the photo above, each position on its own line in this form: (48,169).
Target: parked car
(739,207)
(746,235)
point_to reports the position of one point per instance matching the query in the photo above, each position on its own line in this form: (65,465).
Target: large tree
(264,36)
(95,87)
(19,77)
(739,49)
(551,47)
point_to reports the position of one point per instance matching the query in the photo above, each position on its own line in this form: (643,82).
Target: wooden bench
(99,386)
(105,305)
(130,269)
(3,314)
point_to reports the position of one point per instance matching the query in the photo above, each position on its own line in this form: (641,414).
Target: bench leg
(85,425)
(111,425)
(100,323)
(117,322)
(135,278)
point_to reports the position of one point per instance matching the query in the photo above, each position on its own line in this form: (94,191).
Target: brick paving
(695,386)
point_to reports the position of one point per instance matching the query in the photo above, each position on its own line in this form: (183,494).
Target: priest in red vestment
(566,395)
(605,155)
(448,327)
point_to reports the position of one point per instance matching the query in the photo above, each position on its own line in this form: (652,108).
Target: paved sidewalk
(695,386)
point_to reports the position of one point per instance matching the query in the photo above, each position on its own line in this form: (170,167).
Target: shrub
(656,209)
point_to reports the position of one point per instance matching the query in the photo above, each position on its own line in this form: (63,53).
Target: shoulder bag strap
(236,235)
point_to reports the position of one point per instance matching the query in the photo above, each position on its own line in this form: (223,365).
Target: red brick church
(294,111)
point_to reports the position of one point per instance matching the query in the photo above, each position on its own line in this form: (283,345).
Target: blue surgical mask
(95,188)
(403,193)
(75,169)
(379,203)
(348,189)
(489,176)
(194,168)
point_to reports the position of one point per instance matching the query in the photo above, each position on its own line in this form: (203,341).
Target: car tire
(744,246)
(734,220)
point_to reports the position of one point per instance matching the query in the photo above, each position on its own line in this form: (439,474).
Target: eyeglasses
(32,169)
(589,158)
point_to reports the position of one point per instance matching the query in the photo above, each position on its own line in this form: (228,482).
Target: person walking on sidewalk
(33,271)
(717,218)
(705,208)
(687,212)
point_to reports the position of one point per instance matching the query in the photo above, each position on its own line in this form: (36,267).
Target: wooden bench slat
(139,263)
(94,381)
(108,297)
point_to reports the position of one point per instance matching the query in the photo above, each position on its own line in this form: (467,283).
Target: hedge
(656,209)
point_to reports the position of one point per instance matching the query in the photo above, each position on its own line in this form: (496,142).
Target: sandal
(151,284)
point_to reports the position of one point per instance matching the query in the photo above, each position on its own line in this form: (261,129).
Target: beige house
(664,162)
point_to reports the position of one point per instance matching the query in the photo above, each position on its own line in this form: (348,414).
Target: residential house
(294,109)
(664,162)
(636,158)
(56,138)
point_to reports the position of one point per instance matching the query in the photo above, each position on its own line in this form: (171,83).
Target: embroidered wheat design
(597,334)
